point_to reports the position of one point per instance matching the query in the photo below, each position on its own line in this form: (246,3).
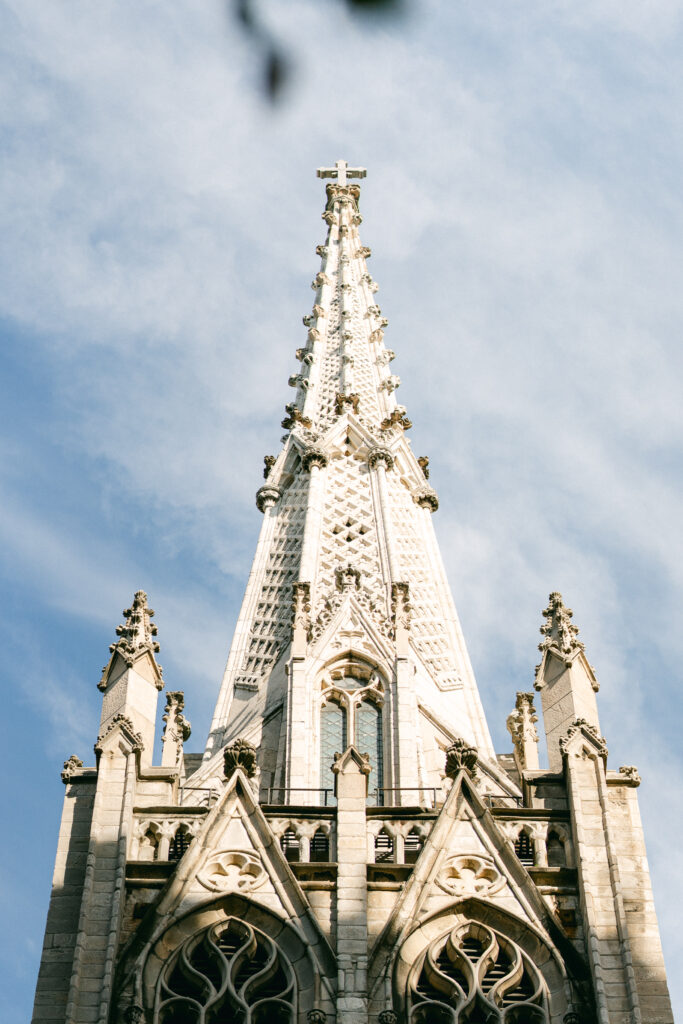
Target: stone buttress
(349,849)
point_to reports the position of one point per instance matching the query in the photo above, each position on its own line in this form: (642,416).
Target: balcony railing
(426,796)
(282,795)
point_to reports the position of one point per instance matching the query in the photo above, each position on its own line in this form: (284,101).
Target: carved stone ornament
(316,1017)
(388,1017)
(364,253)
(630,774)
(70,767)
(268,463)
(134,1014)
(426,497)
(387,354)
(319,281)
(266,497)
(470,875)
(177,727)
(314,456)
(293,417)
(239,754)
(398,418)
(232,871)
(136,636)
(321,250)
(400,604)
(298,380)
(380,454)
(319,311)
(423,463)
(341,401)
(390,383)
(347,577)
(301,605)
(461,756)
(124,723)
(521,724)
(582,725)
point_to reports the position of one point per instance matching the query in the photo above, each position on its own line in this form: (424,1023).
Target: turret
(564,678)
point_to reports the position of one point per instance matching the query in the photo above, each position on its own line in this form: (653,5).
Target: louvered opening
(289,844)
(524,848)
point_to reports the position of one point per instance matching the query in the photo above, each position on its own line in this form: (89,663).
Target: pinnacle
(558,630)
(136,634)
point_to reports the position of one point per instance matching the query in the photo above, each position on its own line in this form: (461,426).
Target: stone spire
(559,633)
(347,527)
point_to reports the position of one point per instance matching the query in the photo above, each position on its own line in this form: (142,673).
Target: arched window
(412,845)
(557,857)
(333,740)
(236,973)
(289,844)
(180,842)
(524,848)
(478,976)
(384,847)
(369,738)
(320,846)
(148,848)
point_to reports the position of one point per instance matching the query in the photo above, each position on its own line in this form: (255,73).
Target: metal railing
(212,797)
(281,795)
(502,800)
(427,797)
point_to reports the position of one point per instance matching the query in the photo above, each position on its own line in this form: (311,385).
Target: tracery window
(230,973)
(351,713)
(474,975)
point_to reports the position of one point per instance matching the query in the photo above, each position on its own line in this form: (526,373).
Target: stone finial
(426,497)
(379,454)
(314,456)
(423,463)
(135,636)
(177,729)
(461,756)
(239,754)
(558,631)
(521,725)
(70,767)
(266,497)
(125,725)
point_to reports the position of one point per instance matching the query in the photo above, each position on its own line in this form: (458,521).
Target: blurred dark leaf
(277,73)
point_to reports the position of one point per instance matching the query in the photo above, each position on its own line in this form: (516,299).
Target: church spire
(347,563)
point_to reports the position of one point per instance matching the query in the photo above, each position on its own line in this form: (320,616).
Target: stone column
(351,786)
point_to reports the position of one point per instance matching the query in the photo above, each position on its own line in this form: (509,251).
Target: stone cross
(341,171)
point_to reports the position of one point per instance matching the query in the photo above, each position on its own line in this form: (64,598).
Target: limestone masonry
(349,848)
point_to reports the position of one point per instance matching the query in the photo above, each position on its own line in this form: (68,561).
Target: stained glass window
(332,741)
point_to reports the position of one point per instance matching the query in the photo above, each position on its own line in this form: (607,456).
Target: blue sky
(158,222)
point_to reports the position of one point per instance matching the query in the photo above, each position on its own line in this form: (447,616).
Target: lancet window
(290,845)
(351,713)
(474,975)
(180,842)
(524,848)
(320,846)
(228,972)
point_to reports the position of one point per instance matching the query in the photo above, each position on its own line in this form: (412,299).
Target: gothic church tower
(349,848)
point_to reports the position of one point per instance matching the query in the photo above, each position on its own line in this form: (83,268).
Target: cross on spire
(341,171)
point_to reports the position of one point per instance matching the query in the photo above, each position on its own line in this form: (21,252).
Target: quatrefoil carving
(470,875)
(230,870)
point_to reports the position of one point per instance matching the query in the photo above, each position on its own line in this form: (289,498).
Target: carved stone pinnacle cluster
(558,630)
(137,632)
